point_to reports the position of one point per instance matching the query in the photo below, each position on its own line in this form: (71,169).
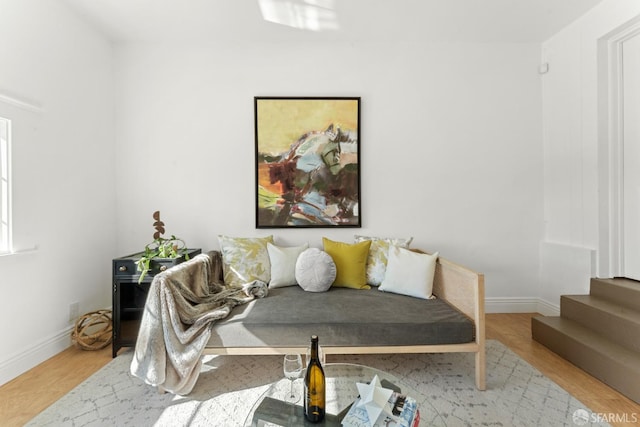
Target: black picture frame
(307,162)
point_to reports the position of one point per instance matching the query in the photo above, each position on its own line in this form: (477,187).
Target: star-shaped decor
(375,399)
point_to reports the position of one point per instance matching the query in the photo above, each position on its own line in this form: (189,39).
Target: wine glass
(292,367)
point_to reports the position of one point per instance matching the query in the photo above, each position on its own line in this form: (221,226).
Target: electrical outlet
(74,311)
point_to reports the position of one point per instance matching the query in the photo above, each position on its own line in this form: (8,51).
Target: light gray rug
(517,394)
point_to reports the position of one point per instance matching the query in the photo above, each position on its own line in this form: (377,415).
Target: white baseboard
(548,309)
(21,362)
(520,305)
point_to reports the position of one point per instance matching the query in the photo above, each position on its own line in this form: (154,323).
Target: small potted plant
(172,247)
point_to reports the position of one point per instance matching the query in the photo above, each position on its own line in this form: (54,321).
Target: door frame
(611,149)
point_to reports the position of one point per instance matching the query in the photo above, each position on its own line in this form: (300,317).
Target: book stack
(405,413)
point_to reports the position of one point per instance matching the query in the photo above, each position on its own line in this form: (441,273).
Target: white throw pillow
(283,264)
(315,270)
(409,273)
(378,255)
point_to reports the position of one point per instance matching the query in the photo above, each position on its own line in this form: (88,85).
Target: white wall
(451,144)
(451,154)
(572,151)
(64,194)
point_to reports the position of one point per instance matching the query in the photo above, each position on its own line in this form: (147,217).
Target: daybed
(191,310)
(355,321)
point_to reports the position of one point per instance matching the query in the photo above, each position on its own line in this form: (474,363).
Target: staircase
(599,333)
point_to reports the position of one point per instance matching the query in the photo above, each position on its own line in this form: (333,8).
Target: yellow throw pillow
(351,263)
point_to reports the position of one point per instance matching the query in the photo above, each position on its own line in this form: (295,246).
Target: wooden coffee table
(271,410)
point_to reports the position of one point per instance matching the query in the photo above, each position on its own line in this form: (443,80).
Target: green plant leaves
(172,247)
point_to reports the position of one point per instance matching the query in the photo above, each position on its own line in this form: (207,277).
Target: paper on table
(375,399)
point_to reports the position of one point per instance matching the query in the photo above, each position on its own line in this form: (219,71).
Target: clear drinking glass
(292,367)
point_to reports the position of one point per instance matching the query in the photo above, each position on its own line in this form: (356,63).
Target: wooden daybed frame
(459,286)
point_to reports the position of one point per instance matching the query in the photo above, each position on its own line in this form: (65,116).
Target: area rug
(517,394)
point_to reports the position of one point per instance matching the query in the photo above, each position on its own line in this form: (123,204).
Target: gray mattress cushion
(341,317)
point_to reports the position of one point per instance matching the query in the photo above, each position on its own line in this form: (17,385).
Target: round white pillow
(315,270)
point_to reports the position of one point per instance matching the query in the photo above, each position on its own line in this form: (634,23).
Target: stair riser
(625,295)
(618,329)
(601,366)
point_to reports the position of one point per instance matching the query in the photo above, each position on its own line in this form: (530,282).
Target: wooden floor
(24,397)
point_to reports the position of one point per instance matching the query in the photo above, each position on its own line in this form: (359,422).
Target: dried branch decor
(173,247)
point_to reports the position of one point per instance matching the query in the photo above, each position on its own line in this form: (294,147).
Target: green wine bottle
(314,386)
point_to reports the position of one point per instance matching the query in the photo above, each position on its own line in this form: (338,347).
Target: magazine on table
(404,409)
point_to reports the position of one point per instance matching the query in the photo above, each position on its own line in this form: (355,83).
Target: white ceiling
(209,21)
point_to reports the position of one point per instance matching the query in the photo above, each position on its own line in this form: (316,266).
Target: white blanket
(181,306)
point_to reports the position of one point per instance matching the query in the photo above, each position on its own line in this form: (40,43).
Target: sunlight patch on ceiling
(311,15)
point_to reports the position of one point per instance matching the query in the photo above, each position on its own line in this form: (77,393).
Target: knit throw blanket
(182,304)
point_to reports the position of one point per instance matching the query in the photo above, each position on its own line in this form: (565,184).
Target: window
(5,185)
(20,121)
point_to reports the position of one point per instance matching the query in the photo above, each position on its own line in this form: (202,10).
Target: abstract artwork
(307,162)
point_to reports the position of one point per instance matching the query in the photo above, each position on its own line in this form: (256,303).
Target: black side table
(129,296)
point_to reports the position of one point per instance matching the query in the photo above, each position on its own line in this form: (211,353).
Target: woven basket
(93,330)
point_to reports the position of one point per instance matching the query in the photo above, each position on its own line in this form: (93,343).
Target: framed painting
(307,162)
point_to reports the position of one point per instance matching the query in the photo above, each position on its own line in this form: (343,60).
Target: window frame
(6,241)
(25,118)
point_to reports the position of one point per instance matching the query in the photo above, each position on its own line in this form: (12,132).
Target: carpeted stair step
(623,291)
(611,363)
(618,323)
